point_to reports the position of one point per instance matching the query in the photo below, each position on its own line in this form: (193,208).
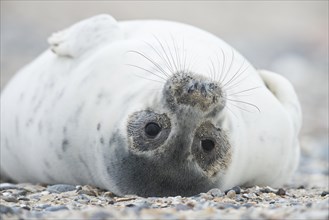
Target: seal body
(148,108)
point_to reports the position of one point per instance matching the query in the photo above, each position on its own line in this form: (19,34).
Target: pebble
(9,198)
(231,194)
(324,193)
(23,198)
(268,189)
(6,186)
(101,215)
(281,192)
(237,189)
(60,188)
(6,210)
(206,196)
(43,206)
(215,192)
(56,208)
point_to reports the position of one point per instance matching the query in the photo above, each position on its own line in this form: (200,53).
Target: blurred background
(288,37)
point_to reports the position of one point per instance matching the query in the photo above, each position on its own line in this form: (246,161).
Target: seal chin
(193,90)
(161,176)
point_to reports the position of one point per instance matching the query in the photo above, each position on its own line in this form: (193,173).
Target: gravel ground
(29,201)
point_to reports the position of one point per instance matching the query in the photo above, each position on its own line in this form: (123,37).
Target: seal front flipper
(84,36)
(285,93)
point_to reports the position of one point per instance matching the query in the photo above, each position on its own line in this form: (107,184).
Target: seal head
(179,151)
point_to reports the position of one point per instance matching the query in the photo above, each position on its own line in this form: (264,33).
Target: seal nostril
(203,91)
(196,85)
(207,145)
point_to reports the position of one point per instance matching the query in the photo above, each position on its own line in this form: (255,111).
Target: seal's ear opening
(282,89)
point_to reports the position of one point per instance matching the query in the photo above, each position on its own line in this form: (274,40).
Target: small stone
(7,194)
(43,206)
(5,186)
(190,204)
(231,194)
(248,205)
(6,210)
(25,207)
(109,194)
(281,192)
(324,193)
(88,190)
(56,208)
(228,205)
(271,195)
(60,188)
(206,196)
(124,199)
(268,189)
(9,199)
(110,202)
(237,189)
(44,193)
(215,192)
(245,195)
(22,192)
(182,207)
(23,198)
(101,215)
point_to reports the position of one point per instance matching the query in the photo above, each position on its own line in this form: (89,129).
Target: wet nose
(203,89)
(193,90)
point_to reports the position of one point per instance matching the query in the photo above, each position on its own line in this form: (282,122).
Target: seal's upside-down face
(180,151)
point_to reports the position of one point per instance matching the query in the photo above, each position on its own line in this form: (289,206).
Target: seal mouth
(193,90)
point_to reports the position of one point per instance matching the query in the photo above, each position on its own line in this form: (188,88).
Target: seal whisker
(239,107)
(221,81)
(214,70)
(210,72)
(166,54)
(176,53)
(152,61)
(245,90)
(184,56)
(192,61)
(226,106)
(146,71)
(237,83)
(243,102)
(172,56)
(148,78)
(237,74)
(161,56)
(229,68)
(217,77)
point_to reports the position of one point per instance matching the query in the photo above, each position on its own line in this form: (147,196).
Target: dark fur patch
(65,144)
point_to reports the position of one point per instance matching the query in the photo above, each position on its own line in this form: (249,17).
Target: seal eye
(152,129)
(207,145)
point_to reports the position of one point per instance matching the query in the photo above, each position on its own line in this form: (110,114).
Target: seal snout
(193,90)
